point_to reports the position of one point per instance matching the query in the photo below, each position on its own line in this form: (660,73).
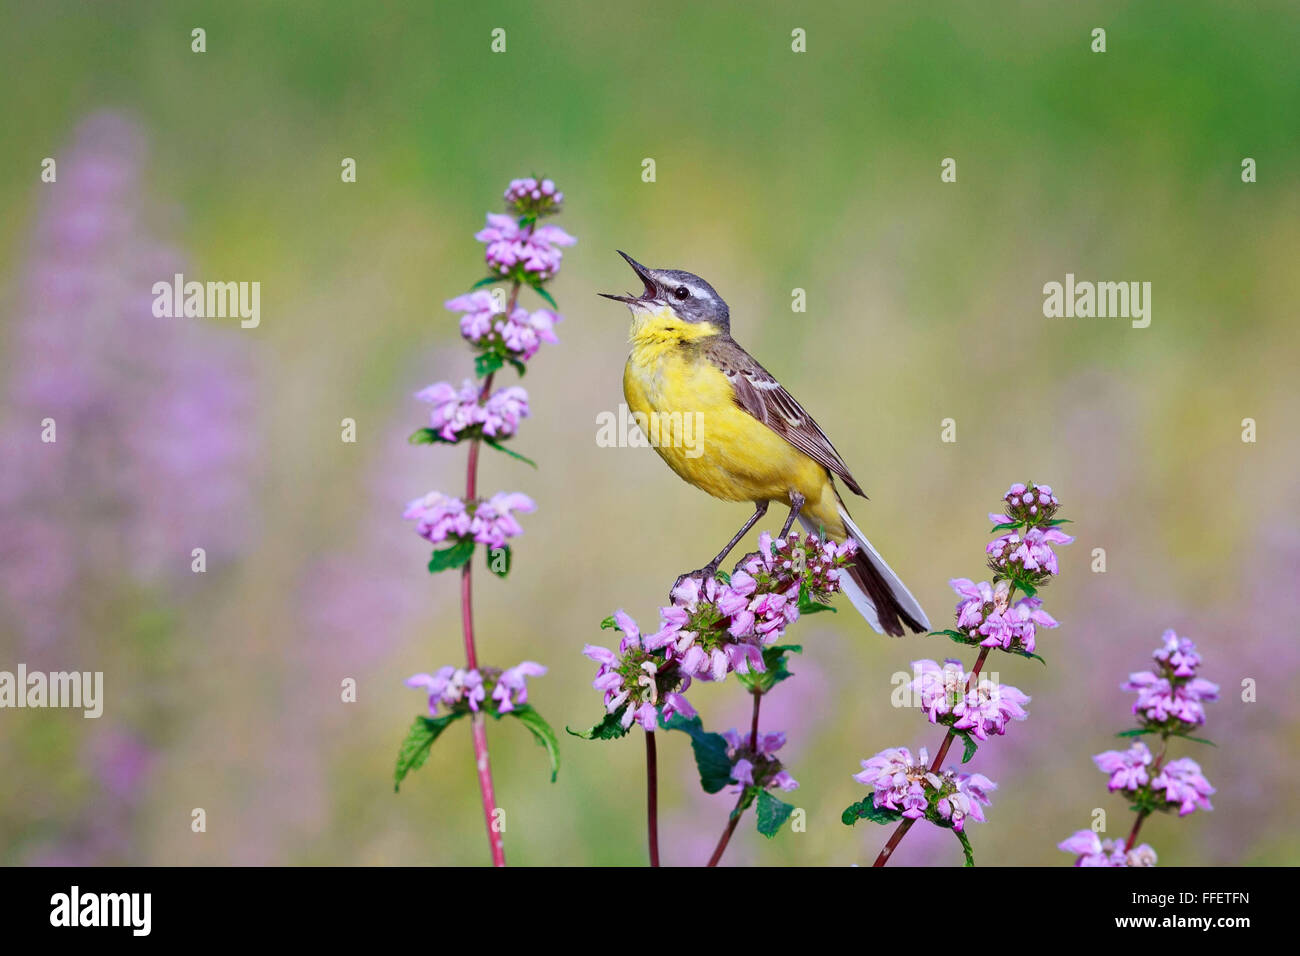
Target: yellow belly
(732,456)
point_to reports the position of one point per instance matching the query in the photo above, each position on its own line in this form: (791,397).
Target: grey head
(690,297)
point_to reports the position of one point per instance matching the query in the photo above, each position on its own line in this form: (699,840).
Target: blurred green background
(775,171)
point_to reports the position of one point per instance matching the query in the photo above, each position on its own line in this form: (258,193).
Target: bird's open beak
(650,293)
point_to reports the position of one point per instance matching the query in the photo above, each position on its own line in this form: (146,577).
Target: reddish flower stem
(482,759)
(726,834)
(484,765)
(738,812)
(1143,814)
(901,831)
(652,796)
(1133,833)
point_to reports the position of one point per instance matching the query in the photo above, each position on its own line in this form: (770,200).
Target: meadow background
(775,170)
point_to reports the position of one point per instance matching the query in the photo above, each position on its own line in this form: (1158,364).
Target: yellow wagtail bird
(757,443)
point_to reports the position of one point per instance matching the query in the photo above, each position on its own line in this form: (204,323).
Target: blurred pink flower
(530,253)
(533,197)
(457,410)
(1127,768)
(511,688)
(153,447)
(494,520)
(438,517)
(1093,851)
(1185,785)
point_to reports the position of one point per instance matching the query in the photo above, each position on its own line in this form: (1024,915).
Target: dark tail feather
(892,615)
(874,589)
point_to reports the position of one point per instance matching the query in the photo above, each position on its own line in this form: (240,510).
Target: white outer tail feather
(856,595)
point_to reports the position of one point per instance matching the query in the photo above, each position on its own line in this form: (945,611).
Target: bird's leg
(710,569)
(760,509)
(796,505)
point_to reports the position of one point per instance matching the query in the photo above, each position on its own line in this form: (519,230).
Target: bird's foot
(703,574)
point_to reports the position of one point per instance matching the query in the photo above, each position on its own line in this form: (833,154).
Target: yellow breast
(685,405)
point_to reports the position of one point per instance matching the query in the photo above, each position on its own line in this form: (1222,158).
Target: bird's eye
(682,292)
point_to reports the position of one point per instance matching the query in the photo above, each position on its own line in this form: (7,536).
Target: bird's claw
(704,573)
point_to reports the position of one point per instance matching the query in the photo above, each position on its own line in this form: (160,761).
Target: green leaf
(486,281)
(867,810)
(968,746)
(966,847)
(517,365)
(541,731)
(609,624)
(415,748)
(957,636)
(485,363)
(710,752)
(493,443)
(1024,653)
(499,567)
(1196,740)
(607,729)
(1135,732)
(545,295)
(453,557)
(774,660)
(808,606)
(772,814)
(1058,521)
(1147,801)
(746,799)
(424,436)
(1005,526)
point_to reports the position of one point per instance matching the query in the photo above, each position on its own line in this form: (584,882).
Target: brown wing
(758,393)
